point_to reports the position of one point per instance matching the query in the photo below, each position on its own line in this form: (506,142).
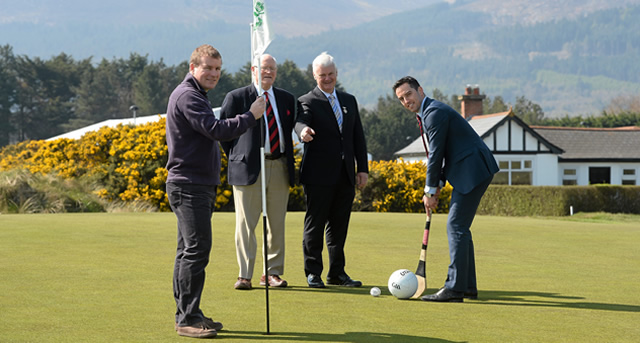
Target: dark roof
(591,144)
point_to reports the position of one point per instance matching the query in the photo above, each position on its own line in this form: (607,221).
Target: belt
(272,156)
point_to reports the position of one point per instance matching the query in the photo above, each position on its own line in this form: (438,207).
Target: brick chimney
(471,102)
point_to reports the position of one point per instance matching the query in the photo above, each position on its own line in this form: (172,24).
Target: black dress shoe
(445,295)
(473,295)
(344,280)
(315,281)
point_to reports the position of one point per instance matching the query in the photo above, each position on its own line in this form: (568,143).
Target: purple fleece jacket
(193,133)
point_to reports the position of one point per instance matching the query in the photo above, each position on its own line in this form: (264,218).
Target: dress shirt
(274,107)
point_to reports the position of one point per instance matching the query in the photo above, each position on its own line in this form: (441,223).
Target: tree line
(43,98)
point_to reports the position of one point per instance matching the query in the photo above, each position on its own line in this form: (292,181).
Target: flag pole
(258,61)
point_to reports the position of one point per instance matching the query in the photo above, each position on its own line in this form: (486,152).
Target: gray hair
(323,60)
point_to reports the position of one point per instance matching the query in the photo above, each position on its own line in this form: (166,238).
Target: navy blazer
(243,153)
(323,157)
(456,152)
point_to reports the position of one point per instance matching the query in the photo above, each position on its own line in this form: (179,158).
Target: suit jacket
(243,153)
(324,155)
(456,152)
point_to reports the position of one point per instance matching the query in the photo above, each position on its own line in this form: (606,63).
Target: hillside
(571,57)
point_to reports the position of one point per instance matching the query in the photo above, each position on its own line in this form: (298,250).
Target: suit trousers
(248,204)
(193,206)
(328,213)
(461,275)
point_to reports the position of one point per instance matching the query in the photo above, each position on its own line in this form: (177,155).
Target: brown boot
(198,330)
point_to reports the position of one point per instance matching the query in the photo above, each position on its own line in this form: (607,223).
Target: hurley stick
(420,271)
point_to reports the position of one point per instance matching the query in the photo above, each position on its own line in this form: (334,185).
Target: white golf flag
(260,34)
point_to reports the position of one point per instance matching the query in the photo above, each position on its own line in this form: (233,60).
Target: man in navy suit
(458,155)
(274,133)
(333,163)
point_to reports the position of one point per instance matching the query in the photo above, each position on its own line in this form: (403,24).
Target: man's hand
(258,107)
(431,203)
(361,179)
(307,134)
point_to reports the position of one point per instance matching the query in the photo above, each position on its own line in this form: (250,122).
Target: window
(629,177)
(569,177)
(514,172)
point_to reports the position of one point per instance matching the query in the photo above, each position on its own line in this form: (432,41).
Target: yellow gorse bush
(128,161)
(397,186)
(128,164)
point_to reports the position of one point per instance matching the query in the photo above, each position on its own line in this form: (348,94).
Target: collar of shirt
(422,106)
(335,95)
(261,91)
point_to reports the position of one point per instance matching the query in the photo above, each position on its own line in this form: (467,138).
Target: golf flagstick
(261,37)
(421,270)
(264,234)
(263,187)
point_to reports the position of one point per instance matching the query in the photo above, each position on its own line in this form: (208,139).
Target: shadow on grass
(336,289)
(351,337)
(548,300)
(509,298)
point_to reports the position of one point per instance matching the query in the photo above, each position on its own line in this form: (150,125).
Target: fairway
(107,278)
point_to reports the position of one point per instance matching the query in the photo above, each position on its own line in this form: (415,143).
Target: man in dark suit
(244,171)
(334,146)
(458,155)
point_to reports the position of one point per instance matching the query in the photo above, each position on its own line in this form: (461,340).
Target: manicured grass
(107,278)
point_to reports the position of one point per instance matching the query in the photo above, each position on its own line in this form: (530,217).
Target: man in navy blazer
(333,163)
(458,155)
(244,170)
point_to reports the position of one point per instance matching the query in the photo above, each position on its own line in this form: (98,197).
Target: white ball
(375,291)
(403,283)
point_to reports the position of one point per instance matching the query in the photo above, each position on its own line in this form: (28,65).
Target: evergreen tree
(293,79)
(149,90)
(388,128)
(97,96)
(7,94)
(530,112)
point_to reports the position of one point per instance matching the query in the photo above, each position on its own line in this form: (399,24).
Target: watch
(428,195)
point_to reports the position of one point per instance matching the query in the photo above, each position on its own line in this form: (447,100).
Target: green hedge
(557,200)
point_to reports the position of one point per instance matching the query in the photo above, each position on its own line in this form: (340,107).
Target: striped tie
(336,111)
(274,139)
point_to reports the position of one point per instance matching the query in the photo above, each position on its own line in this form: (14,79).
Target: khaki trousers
(248,204)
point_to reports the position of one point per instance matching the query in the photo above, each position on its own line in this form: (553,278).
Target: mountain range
(571,57)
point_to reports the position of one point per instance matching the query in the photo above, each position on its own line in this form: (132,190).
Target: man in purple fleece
(193,133)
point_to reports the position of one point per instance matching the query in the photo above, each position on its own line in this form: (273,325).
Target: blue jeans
(193,205)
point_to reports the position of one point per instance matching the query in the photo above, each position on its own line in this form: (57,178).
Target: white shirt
(274,107)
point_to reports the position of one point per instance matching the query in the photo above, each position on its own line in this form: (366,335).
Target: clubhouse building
(548,156)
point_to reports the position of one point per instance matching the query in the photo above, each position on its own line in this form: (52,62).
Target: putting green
(107,278)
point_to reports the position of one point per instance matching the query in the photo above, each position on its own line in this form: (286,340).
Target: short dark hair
(413,83)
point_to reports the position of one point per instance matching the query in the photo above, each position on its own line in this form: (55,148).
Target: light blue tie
(336,110)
